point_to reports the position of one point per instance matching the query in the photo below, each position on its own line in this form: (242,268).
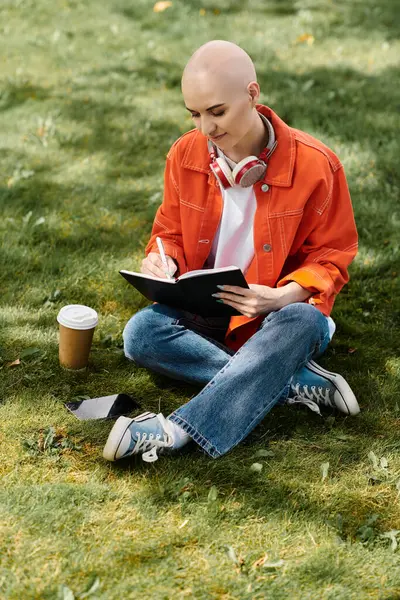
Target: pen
(163,257)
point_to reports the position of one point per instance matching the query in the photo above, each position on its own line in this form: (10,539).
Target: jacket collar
(280,165)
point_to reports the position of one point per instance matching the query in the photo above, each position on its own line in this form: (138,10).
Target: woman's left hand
(253,302)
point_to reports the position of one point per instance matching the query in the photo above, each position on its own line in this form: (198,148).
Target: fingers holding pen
(172,266)
(153,265)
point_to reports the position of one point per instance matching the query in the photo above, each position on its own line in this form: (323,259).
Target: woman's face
(221,111)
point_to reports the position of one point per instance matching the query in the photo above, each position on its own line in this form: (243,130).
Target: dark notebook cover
(192,291)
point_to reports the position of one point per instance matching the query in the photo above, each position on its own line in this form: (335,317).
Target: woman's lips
(218,137)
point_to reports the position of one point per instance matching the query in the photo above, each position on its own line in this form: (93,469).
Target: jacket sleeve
(167,221)
(329,248)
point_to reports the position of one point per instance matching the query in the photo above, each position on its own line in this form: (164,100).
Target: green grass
(89,105)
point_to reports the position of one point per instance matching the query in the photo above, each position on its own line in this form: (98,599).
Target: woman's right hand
(153,265)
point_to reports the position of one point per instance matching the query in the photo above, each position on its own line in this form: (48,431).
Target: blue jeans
(240,387)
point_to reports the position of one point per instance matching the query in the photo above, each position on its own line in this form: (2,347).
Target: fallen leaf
(308,85)
(212,494)
(30,353)
(202,12)
(260,562)
(324,470)
(351,350)
(392,535)
(274,565)
(27,217)
(238,560)
(93,587)
(343,437)
(373,458)
(161,6)
(185,522)
(66,593)
(305,38)
(264,453)
(232,554)
(14,363)
(383,462)
(256,467)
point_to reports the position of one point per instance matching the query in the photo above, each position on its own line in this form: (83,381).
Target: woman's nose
(207,127)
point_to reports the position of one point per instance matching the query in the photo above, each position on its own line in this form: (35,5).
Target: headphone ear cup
(248,171)
(226,170)
(220,176)
(241,164)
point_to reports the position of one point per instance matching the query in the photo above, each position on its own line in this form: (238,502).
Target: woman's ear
(253,90)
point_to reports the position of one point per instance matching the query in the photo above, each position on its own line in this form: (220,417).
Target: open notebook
(192,291)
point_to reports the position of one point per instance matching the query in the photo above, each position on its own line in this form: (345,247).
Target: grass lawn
(89,105)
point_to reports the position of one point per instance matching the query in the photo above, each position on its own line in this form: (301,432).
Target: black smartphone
(105,407)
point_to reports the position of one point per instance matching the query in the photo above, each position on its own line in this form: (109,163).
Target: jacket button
(267,247)
(265,187)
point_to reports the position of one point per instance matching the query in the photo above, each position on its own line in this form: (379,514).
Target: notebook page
(200,272)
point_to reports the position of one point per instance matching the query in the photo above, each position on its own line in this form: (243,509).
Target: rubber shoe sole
(115,438)
(344,398)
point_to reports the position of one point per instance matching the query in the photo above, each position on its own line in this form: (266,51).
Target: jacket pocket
(285,226)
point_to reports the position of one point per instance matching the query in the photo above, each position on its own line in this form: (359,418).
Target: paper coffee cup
(77,323)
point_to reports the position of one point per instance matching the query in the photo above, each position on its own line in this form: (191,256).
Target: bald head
(221,61)
(220,90)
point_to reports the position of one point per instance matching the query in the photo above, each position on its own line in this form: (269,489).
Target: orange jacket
(304,227)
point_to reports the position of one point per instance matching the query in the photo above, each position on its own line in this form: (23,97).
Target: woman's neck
(253,143)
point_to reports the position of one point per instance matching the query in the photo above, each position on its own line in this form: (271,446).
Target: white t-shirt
(233,243)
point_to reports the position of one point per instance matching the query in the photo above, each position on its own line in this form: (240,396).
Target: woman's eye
(196,116)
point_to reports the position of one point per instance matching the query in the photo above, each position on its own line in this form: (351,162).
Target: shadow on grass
(279,489)
(15,93)
(368,17)
(339,101)
(134,151)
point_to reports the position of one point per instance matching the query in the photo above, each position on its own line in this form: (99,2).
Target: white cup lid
(77,316)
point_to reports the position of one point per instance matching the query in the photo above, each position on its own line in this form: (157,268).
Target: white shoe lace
(311,396)
(148,444)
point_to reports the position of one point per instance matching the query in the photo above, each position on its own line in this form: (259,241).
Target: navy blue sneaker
(316,387)
(145,434)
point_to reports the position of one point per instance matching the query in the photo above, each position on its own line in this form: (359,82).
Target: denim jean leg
(253,380)
(154,339)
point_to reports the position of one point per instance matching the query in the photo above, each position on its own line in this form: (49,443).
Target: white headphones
(249,170)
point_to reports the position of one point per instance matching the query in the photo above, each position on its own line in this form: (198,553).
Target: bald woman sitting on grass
(242,188)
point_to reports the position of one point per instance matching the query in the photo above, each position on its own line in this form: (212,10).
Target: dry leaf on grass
(256,468)
(305,38)
(260,561)
(14,363)
(161,6)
